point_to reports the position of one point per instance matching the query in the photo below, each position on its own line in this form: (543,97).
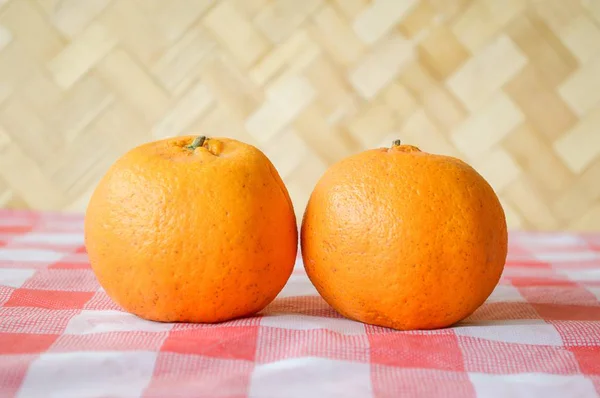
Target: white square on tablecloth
(521,331)
(57,238)
(567,256)
(30,255)
(298,285)
(302,322)
(311,377)
(505,293)
(90,321)
(89,374)
(582,275)
(531,385)
(10,220)
(551,241)
(15,277)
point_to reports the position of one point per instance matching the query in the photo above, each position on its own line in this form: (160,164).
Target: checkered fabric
(60,335)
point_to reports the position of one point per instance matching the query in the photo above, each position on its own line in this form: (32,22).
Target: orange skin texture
(192,235)
(404,239)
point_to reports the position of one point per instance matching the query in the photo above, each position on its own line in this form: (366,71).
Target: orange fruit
(195,230)
(404,239)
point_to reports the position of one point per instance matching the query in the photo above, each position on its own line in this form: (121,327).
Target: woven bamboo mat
(512,86)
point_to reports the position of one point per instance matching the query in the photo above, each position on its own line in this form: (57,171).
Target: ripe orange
(196,230)
(404,239)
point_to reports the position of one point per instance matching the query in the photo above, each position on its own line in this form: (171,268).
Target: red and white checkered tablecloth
(60,335)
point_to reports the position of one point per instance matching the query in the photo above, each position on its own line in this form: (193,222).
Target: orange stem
(198,142)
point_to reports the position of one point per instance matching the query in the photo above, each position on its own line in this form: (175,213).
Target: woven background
(511,86)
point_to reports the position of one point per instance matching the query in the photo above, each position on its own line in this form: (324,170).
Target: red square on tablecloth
(25,343)
(566,312)
(15,229)
(495,357)
(564,295)
(275,344)
(394,382)
(431,350)
(188,375)
(588,358)
(219,342)
(69,265)
(60,300)
(541,280)
(528,263)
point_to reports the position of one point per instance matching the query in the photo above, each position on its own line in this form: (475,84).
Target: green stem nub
(396,143)
(198,142)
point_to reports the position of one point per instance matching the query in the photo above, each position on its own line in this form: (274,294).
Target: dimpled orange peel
(192,229)
(400,238)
